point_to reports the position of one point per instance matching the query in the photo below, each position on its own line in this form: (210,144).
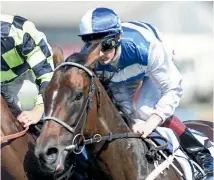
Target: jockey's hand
(26,118)
(147,127)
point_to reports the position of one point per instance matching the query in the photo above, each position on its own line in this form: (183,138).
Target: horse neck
(122,159)
(104,117)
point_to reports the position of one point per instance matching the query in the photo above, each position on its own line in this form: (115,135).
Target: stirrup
(198,171)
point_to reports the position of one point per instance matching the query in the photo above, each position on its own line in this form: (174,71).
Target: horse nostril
(51,154)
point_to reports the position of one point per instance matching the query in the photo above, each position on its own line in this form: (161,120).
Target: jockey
(131,53)
(26,56)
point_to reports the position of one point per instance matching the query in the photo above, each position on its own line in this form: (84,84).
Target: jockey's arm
(166,77)
(39,56)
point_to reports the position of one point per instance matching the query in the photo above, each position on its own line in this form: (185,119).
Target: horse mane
(76,58)
(80,57)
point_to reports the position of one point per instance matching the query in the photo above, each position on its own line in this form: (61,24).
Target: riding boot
(197,151)
(194,149)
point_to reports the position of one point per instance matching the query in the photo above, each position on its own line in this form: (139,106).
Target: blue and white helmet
(100,20)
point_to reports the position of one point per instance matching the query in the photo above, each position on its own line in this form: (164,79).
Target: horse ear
(92,54)
(58,56)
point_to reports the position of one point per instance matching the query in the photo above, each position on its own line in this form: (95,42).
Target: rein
(15,111)
(14,136)
(111,137)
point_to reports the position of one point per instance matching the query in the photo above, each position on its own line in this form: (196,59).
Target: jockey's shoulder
(140,32)
(17,23)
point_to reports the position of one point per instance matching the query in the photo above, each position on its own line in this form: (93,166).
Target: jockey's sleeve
(38,55)
(166,77)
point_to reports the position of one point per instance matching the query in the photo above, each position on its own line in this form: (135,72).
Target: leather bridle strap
(62,123)
(14,136)
(70,129)
(75,65)
(112,137)
(88,101)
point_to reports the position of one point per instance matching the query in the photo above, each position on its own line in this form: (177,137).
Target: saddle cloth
(173,147)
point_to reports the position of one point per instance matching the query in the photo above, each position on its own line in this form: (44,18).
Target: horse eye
(79,96)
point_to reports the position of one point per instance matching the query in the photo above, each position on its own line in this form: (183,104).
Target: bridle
(97,137)
(88,104)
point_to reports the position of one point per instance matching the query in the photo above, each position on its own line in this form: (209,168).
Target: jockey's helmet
(100,24)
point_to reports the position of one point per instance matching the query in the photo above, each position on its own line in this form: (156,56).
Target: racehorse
(77,108)
(17,155)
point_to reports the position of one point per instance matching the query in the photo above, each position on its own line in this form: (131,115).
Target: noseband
(88,102)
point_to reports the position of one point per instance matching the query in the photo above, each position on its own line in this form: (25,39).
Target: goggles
(109,44)
(106,44)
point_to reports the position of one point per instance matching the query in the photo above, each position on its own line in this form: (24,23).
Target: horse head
(67,99)
(76,108)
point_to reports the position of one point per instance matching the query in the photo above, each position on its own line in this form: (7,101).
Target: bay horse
(77,107)
(17,155)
